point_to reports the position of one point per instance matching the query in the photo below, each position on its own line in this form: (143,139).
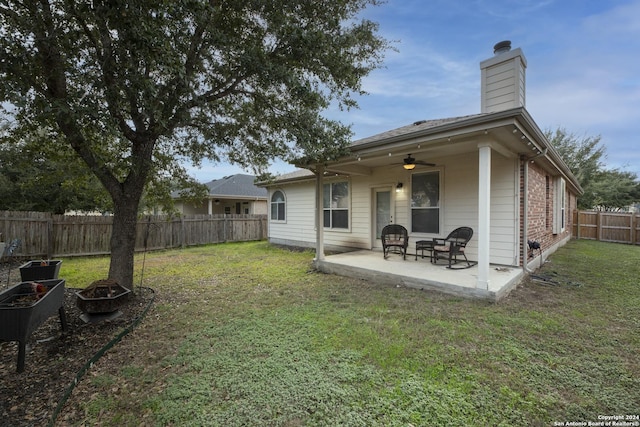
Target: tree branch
(56,91)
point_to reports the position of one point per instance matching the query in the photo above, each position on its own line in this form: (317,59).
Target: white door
(381,213)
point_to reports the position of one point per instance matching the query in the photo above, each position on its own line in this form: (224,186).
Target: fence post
(182,232)
(50,241)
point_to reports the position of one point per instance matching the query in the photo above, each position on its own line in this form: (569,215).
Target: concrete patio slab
(421,274)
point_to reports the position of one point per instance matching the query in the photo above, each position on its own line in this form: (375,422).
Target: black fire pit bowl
(103,296)
(40,270)
(22,312)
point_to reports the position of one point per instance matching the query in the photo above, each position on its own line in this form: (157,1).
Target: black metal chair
(452,246)
(394,236)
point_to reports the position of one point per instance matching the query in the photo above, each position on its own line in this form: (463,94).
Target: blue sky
(583,68)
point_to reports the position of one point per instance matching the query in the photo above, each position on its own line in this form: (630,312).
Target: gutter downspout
(525,220)
(525,226)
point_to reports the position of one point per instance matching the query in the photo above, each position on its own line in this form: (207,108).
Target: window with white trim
(278,206)
(559,208)
(425,202)
(335,205)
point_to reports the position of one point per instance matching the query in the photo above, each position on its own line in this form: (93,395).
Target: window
(335,203)
(559,206)
(425,202)
(277,206)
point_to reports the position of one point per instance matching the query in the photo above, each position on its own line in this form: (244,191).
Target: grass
(248,334)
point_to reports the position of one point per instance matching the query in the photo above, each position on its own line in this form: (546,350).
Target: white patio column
(484,215)
(210,207)
(319,213)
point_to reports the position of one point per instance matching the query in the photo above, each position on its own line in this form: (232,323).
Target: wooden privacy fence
(619,227)
(45,235)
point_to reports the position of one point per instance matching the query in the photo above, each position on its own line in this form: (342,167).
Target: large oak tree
(137,86)
(604,189)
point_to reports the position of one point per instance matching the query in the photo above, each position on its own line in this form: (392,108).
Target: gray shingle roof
(413,127)
(236,185)
(298,173)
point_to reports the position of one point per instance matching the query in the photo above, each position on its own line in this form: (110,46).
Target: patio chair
(452,246)
(394,236)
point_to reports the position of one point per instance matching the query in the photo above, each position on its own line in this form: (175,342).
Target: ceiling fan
(410,163)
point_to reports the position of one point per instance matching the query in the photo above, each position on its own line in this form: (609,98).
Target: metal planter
(23,310)
(40,270)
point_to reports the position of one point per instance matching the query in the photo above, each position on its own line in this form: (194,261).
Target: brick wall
(542,205)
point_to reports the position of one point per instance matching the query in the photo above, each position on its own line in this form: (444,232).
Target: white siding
(503,82)
(298,229)
(461,204)
(459,207)
(504,210)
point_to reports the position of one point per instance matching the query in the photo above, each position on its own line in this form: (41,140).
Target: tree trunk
(123,241)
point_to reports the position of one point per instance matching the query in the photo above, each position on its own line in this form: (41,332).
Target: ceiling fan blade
(420,162)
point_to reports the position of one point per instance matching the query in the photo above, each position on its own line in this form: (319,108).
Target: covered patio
(421,274)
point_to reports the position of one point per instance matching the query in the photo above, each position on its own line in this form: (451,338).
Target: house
(493,171)
(234,194)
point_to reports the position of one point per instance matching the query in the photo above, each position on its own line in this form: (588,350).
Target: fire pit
(25,306)
(102,296)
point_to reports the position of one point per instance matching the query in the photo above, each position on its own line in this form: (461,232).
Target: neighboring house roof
(236,186)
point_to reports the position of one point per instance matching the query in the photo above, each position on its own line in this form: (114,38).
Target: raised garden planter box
(40,270)
(25,306)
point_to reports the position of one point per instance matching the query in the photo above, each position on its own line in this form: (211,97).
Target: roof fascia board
(350,169)
(231,196)
(277,182)
(551,154)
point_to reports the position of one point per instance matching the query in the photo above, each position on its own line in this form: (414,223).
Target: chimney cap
(502,47)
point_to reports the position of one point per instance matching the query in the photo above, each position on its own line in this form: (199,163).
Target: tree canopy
(604,189)
(136,87)
(37,175)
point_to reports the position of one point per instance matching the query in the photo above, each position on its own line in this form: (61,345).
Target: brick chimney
(503,79)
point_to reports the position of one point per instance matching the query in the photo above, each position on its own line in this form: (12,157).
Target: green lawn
(249,335)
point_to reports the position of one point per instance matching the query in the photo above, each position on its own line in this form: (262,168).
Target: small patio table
(425,245)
